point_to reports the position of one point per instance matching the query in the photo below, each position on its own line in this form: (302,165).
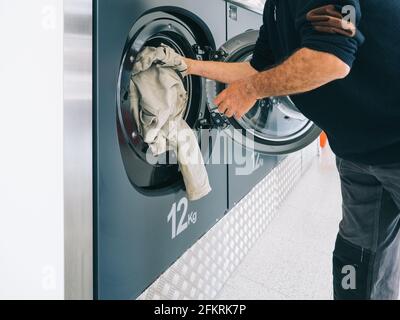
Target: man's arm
(324,57)
(220,71)
(304,71)
(231,72)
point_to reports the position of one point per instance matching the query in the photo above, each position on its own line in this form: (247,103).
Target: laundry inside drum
(192,85)
(183,48)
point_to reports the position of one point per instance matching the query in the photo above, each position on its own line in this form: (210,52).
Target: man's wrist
(252,87)
(189,64)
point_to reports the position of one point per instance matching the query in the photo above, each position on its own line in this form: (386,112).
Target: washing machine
(273,128)
(143,221)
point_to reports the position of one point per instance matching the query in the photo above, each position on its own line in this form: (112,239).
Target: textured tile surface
(293,258)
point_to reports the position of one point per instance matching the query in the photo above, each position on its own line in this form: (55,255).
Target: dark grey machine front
(274,127)
(143,219)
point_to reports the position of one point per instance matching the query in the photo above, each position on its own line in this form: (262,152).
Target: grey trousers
(368,243)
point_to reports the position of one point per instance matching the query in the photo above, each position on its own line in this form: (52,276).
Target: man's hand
(237,99)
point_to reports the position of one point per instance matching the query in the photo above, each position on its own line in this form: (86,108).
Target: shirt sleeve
(262,55)
(343,47)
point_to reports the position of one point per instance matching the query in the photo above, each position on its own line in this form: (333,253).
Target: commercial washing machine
(143,221)
(273,128)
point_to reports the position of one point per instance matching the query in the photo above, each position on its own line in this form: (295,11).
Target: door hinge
(219,120)
(199,51)
(208,54)
(216,120)
(217,55)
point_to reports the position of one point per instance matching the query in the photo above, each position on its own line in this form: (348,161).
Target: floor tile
(292,260)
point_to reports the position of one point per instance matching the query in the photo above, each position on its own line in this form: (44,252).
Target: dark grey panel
(245,174)
(133,237)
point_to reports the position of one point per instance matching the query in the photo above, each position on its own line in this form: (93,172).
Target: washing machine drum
(145,171)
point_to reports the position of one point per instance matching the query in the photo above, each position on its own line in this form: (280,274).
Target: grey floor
(293,259)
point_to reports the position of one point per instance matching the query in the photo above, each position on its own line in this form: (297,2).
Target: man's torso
(361,113)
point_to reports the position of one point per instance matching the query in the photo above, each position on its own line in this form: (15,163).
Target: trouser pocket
(351,271)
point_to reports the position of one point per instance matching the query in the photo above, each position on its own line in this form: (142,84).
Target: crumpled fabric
(162,56)
(158,101)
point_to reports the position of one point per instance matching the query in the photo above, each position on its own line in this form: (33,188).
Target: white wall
(31,146)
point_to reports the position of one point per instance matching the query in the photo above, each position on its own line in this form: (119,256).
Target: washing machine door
(274,125)
(145,171)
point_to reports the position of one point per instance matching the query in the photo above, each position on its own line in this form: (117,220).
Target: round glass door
(275,119)
(154,29)
(275,125)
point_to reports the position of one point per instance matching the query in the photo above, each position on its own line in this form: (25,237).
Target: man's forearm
(304,71)
(220,71)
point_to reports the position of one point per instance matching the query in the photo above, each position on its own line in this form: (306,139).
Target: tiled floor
(293,259)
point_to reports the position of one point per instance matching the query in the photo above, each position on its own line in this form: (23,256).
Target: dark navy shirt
(361,113)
